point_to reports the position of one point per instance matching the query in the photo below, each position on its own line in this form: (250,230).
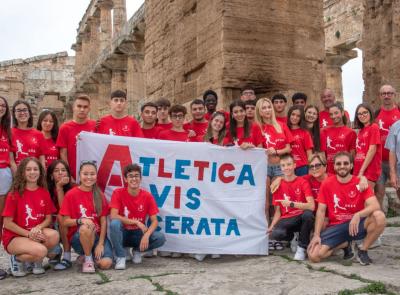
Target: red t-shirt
(26,143)
(80,204)
(342,200)
(170,134)
(367,136)
(207,116)
(274,139)
(67,138)
(337,139)
(151,133)
(139,206)
(199,128)
(126,126)
(27,211)
(302,142)
(326,121)
(385,120)
(293,191)
(282,120)
(255,136)
(164,126)
(5,149)
(50,151)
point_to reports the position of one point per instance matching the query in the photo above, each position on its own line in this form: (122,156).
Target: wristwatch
(79,221)
(291,205)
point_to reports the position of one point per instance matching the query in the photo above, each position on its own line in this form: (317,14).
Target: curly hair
(19,182)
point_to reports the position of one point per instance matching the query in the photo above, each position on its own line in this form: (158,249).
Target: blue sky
(30,28)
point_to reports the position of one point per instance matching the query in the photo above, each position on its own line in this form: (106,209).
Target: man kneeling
(129,208)
(294,206)
(353,215)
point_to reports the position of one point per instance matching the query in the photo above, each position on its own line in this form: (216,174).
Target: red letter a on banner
(113,153)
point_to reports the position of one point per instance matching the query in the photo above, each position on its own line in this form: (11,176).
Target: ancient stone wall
(381,47)
(224,45)
(42,80)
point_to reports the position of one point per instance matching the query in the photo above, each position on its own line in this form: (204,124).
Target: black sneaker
(363,258)
(348,253)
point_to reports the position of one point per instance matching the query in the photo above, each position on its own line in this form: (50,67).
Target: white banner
(211,198)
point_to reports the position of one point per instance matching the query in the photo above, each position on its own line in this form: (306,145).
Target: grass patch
(104,278)
(391,213)
(372,288)
(158,286)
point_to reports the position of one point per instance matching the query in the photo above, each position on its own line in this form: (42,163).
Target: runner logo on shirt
(268,140)
(358,144)
(336,203)
(83,211)
(324,123)
(381,124)
(29,215)
(287,198)
(19,148)
(126,212)
(111,132)
(329,142)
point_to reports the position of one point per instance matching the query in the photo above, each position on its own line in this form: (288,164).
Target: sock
(67,256)
(88,258)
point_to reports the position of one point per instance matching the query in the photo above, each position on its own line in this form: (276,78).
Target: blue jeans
(76,245)
(121,237)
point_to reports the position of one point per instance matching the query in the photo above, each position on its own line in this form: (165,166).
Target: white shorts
(5,180)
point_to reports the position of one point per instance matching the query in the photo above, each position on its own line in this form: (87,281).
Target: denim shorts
(274,171)
(76,245)
(335,235)
(385,174)
(5,180)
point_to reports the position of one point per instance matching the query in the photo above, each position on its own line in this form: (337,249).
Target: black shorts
(335,235)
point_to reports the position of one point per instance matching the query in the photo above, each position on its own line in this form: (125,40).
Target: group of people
(322,175)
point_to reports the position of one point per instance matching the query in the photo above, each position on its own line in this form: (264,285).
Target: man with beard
(198,126)
(353,215)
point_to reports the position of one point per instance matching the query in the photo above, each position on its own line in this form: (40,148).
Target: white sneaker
(300,254)
(17,267)
(128,255)
(164,253)
(294,242)
(120,263)
(215,256)
(199,257)
(137,257)
(38,268)
(176,255)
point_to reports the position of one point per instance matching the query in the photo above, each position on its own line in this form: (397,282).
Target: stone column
(334,62)
(78,58)
(118,80)
(119,16)
(135,82)
(93,23)
(85,51)
(105,23)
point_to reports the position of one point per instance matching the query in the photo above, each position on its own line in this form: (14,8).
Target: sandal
(63,265)
(278,246)
(3,274)
(271,245)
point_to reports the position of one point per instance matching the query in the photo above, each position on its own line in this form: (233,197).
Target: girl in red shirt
(241,132)
(338,137)
(302,144)
(368,159)
(216,129)
(59,182)
(311,116)
(48,125)
(26,141)
(276,141)
(84,210)
(27,216)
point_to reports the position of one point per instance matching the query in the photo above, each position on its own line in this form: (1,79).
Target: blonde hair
(259,118)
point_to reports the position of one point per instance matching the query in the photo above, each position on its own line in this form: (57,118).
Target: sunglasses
(315,166)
